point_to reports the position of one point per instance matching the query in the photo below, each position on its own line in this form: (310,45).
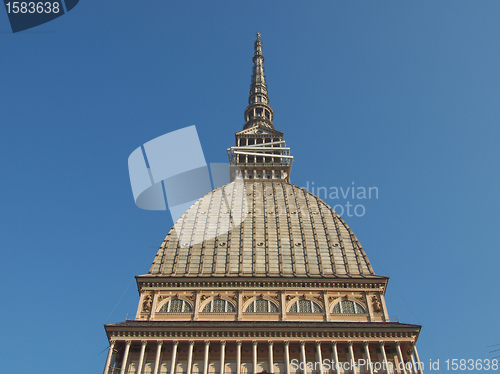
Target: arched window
(348,307)
(219,306)
(262,306)
(305,306)
(176,306)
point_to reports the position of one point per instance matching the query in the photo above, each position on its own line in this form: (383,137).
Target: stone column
(174,357)
(401,360)
(413,363)
(110,355)
(368,358)
(270,345)
(141,356)
(415,352)
(319,356)
(222,356)
(335,356)
(287,356)
(351,357)
(125,356)
(303,355)
(238,357)
(384,357)
(205,357)
(254,357)
(158,354)
(190,357)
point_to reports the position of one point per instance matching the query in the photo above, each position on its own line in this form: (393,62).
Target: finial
(258,35)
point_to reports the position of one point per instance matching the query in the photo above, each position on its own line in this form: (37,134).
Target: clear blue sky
(400,95)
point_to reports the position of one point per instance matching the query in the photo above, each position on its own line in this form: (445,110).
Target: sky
(398,95)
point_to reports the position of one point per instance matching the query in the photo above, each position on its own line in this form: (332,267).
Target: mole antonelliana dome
(286,232)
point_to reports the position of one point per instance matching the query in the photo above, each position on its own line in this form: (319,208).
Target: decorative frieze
(266,334)
(319,299)
(360,299)
(234,285)
(275,297)
(233,296)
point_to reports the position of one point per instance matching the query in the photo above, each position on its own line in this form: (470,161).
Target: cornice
(376,283)
(322,331)
(248,131)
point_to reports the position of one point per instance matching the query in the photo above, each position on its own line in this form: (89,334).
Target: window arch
(219,306)
(348,307)
(176,306)
(305,306)
(262,306)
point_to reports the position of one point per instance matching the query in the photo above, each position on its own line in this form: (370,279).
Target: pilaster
(326,303)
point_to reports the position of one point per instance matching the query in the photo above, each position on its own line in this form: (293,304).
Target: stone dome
(261,229)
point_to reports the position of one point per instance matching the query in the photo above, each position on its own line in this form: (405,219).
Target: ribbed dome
(285,231)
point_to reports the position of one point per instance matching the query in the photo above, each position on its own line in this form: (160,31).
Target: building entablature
(154,282)
(278,331)
(373,284)
(257,131)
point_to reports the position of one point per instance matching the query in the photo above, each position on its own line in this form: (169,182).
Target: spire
(258,110)
(260,151)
